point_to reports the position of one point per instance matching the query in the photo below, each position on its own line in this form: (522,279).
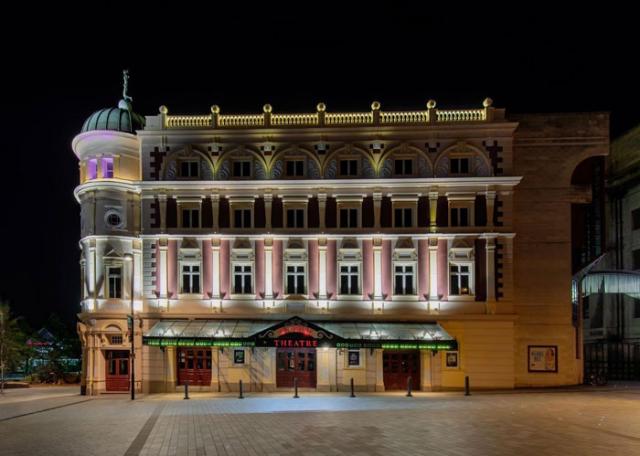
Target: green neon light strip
(196,343)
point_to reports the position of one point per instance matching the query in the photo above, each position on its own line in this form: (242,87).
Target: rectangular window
(635,219)
(116,340)
(459,279)
(242,168)
(242,218)
(294,168)
(404,280)
(295,218)
(190,278)
(349,217)
(585,308)
(636,308)
(295,280)
(349,167)
(403,217)
(403,167)
(114,279)
(107,167)
(189,169)
(636,259)
(459,166)
(242,279)
(459,216)
(92,168)
(349,278)
(190,218)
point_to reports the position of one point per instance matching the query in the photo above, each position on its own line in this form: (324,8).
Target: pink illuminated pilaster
(367,269)
(312,248)
(276,268)
(386,269)
(423,269)
(259,272)
(172,269)
(224,269)
(206,269)
(443,267)
(331,269)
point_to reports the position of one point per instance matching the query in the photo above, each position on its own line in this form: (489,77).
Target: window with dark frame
(459,279)
(403,280)
(403,167)
(242,279)
(295,218)
(116,339)
(349,278)
(636,308)
(189,169)
(114,279)
(242,168)
(238,356)
(295,280)
(403,217)
(242,218)
(190,218)
(349,217)
(349,167)
(585,309)
(107,167)
(354,357)
(294,168)
(190,278)
(459,166)
(636,259)
(459,216)
(635,219)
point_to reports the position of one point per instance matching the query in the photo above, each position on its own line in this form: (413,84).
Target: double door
(194,366)
(398,366)
(117,375)
(297,363)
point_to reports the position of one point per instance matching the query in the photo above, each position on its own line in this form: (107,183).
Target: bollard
(353,393)
(295,388)
(466,386)
(241,396)
(409,387)
(186,389)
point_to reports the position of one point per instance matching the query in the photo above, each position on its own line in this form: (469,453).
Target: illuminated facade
(328,246)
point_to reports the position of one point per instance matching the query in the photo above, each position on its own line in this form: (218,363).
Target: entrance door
(297,363)
(194,366)
(398,366)
(117,377)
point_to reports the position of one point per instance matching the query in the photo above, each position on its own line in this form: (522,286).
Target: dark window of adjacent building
(190,278)
(635,219)
(295,218)
(459,166)
(349,218)
(294,168)
(349,167)
(349,280)
(190,218)
(242,218)
(459,216)
(403,217)
(114,278)
(242,279)
(189,169)
(295,279)
(636,308)
(404,280)
(242,168)
(403,167)
(636,259)
(585,308)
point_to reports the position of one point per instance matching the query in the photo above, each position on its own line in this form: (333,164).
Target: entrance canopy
(297,332)
(623,282)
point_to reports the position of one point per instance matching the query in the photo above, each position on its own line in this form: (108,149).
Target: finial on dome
(125,103)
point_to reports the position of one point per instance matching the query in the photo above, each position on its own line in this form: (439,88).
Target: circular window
(113,219)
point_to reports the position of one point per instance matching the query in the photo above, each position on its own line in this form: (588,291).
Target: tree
(12,342)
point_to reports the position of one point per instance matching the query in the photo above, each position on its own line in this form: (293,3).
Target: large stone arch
(367,164)
(424,165)
(313,165)
(480,165)
(169,170)
(223,167)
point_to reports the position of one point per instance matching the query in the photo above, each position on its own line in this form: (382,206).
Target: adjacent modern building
(385,247)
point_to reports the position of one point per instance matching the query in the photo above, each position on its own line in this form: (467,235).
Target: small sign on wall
(354,358)
(543,358)
(451,360)
(238,357)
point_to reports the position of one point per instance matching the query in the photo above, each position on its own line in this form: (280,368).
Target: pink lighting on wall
(92,168)
(107,167)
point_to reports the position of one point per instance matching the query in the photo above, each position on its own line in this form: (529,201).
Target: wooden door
(117,366)
(194,366)
(297,363)
(398,366)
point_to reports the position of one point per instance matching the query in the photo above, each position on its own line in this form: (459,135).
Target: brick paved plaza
(579,421)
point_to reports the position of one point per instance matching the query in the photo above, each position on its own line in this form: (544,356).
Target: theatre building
(385,246)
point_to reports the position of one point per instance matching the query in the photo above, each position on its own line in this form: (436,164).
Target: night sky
(57,72)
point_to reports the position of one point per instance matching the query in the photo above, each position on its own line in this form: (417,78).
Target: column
(215,369)
(268,268)
(379,370)
(322,268)
(426,382)
(377,268)
(433,269)
(268,200)
(162,198)
(172,362)
(490,271)
(215,268)
(322,207)
(491,199)
(215,209)
(161,277)
(433,211)
(377,203)
(137,275)
(91,271)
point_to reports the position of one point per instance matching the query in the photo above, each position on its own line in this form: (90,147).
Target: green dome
(121,118)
